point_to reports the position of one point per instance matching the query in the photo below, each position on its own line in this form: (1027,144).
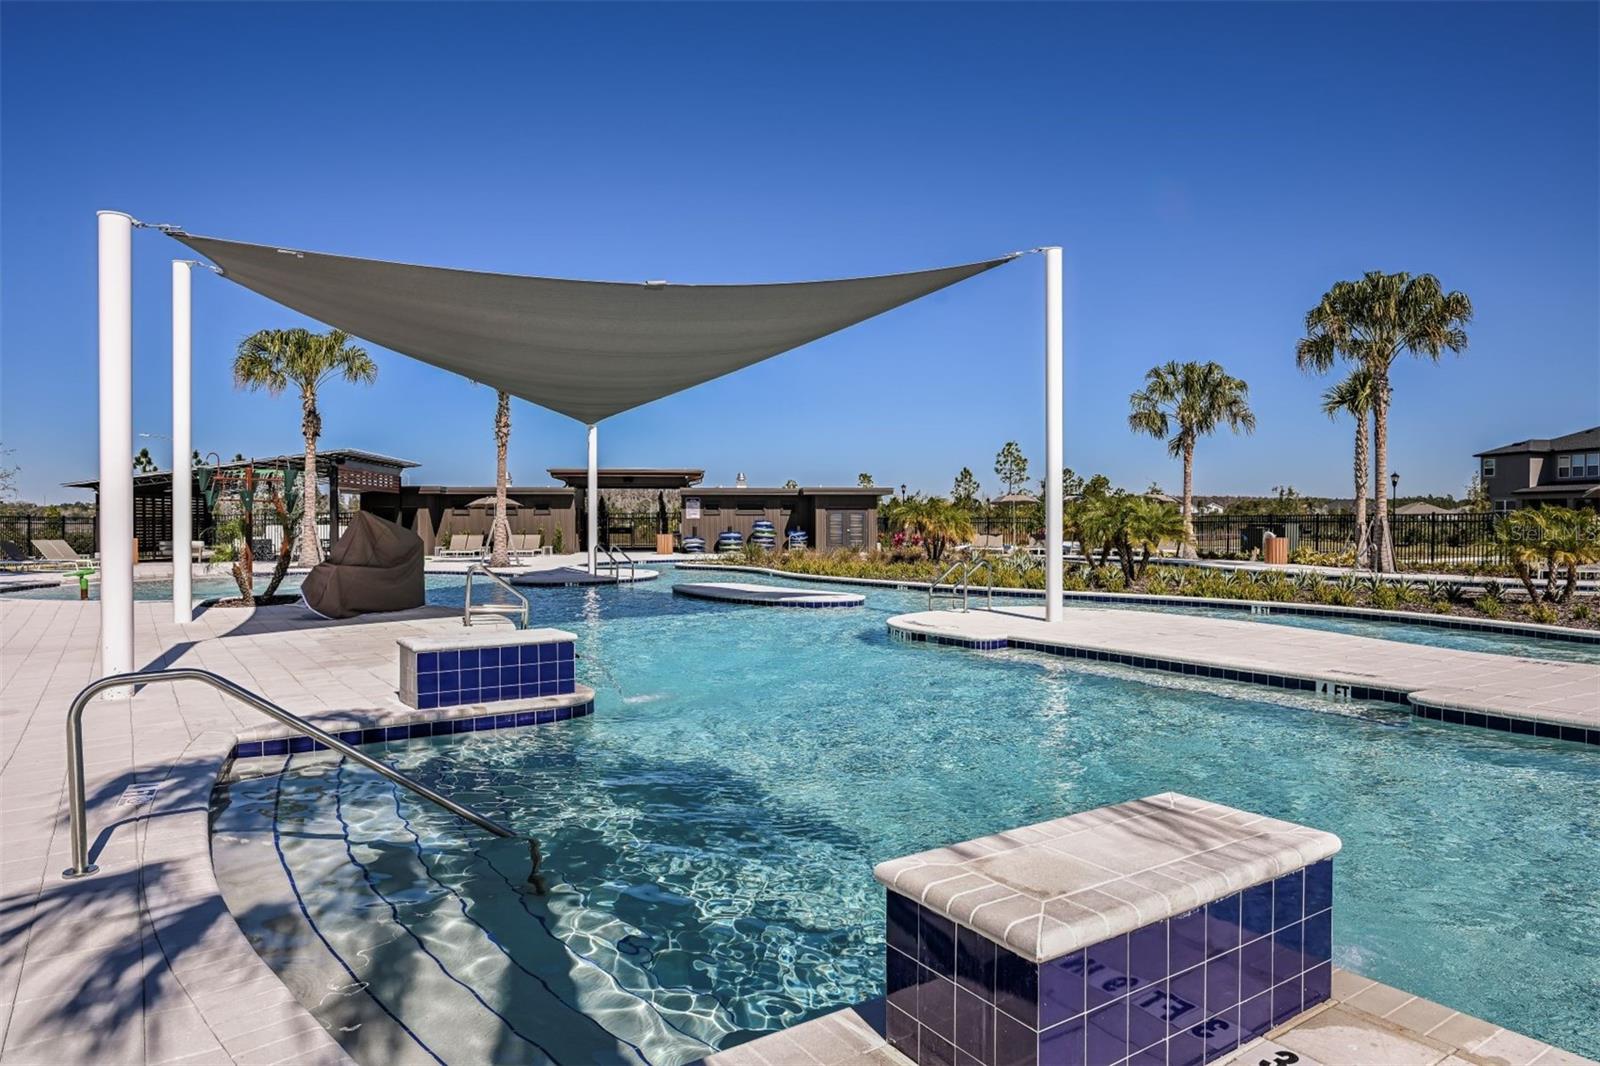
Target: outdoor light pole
(116,446)
(182,472)
(592,515)
(1054,459)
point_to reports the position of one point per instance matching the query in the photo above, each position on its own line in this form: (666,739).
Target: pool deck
(1560,700)
(1365,1023)
(141,962)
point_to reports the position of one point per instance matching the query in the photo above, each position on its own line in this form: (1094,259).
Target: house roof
(1583,438)
(325,458)
(629,477)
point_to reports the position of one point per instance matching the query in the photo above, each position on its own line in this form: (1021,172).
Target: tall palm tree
(1370,322)
(274,359)
(1184,402)
(1354,396)
(500,532)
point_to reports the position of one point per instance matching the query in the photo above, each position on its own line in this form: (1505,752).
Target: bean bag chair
(375,566)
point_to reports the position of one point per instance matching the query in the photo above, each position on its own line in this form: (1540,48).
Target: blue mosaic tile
(1015,1043)
(275,747)
(975,964)
(1065,1044)
(1062,991)
(1107,1034)
(936,1004)
(1106,970)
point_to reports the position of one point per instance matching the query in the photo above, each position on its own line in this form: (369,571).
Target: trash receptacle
(1275,549)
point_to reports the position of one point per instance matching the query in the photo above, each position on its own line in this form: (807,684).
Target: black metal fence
(1420,540)
(22,528)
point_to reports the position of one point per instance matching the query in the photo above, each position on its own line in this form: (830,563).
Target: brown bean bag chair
(375,566)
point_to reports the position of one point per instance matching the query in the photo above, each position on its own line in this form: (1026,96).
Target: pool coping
(765,595)
(1565,634)
(1001,629)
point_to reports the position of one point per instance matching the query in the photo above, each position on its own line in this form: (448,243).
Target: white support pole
(182,471)
(592,511)
(1054,458)
(116,446)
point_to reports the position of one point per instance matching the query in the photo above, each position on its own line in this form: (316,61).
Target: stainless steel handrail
(80,837)
(510,589)
(611,554)
(933,586)
(962,585)
(980,563)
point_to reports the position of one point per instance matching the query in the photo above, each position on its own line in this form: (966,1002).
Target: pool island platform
(1533,697)
(563,576)
(766,595)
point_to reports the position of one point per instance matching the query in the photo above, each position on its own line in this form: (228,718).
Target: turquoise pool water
(710,832)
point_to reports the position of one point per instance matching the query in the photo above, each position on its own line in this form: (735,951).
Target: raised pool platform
(767,595)
(1533,697)
(560,576)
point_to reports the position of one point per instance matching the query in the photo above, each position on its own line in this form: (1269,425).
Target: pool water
(710,833)
(202,588)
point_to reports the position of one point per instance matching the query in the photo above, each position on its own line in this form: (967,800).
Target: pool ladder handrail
(962,585)
(520,608)
(616,565)
(82,867)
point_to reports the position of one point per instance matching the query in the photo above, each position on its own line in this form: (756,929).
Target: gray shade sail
(589,349)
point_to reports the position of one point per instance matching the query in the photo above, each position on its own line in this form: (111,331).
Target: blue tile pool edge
(1445,715)
(415,730)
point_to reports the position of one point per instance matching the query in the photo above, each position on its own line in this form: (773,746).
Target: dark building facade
(1564,471)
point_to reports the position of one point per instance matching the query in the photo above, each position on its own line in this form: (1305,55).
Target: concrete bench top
(1048,889)
(486,637)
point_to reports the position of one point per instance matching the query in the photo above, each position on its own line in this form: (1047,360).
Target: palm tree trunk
(1187,549)
(311,428)
(1363,538)
(500,534)
(1383,550)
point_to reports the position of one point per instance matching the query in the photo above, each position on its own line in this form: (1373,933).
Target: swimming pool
(709,834)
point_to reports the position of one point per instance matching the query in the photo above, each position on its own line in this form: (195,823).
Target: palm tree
(1354,395)
(1370,322)
(1184,402)
(1148,524)
(500,532)
(274,359)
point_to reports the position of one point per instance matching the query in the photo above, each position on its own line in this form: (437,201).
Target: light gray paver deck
(1539,690)
(141,963)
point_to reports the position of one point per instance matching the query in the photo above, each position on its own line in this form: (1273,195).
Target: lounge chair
(462,546)
(60,553)
(527,544)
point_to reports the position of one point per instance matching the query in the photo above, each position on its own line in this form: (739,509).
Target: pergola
(587,349)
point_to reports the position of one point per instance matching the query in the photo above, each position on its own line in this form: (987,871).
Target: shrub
(1385,597)
(1542,613)
(1490,606)
(1581,612)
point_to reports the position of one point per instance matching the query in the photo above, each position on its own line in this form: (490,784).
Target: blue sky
(1210,170)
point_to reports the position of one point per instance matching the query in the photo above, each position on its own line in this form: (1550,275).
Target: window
(1488,467)
(1564,465)
(1591,465)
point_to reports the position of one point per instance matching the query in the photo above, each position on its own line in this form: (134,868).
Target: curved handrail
(611,555)
(80,838)
(933,586)
(508,587)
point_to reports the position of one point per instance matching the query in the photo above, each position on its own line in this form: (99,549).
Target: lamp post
(1394,485)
